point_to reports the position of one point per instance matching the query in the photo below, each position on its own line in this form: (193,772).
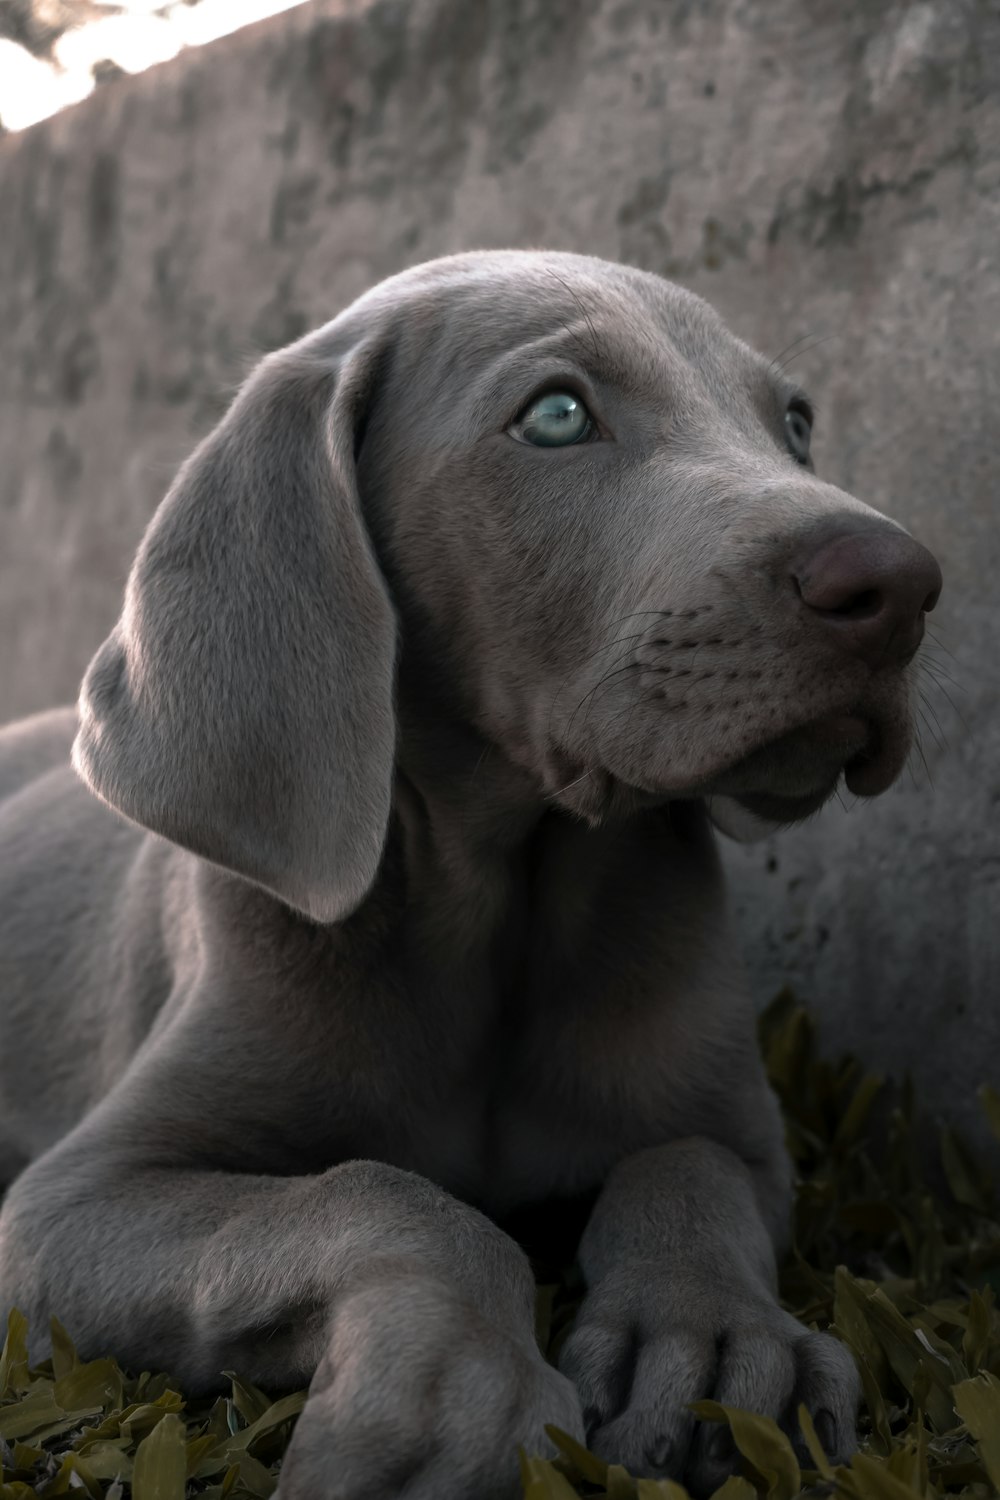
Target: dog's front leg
(679,1262)
(411,1313)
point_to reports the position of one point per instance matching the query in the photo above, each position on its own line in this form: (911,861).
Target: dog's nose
(872,590)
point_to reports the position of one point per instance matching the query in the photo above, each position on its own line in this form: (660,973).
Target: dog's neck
(465,816)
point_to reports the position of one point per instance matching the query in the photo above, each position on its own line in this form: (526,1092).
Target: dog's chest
(546,1109)
(567,1034)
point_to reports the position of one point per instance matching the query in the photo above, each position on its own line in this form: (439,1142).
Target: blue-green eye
(798,431)
(555,420)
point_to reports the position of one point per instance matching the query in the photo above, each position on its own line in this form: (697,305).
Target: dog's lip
(850,733)
(876,766)
(800,768)
(872,755)
(856,742)
(822,747)
(776,808)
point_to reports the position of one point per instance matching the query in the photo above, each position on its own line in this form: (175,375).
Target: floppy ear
(243,705)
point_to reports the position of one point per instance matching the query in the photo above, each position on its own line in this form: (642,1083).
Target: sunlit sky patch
(134,35)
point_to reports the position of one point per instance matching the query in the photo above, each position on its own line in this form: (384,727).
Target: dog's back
(32,747)
(81,942)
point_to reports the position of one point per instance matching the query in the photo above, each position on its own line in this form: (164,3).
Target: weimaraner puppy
(380,907)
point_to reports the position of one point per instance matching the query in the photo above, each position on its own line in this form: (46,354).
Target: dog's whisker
(808,349)
(639,667)
(570,784)
(597,650)
(939,644)
(939,672)
(608,677)
(928,657)
(955,708)
(595,345)
(636,636)
(930,718)
(776,366)
(918,742)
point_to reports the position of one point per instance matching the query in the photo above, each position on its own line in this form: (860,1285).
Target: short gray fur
(397,910)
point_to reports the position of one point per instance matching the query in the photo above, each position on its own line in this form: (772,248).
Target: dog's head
(554,501)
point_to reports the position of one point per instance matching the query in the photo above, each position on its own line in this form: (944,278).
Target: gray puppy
(435,666)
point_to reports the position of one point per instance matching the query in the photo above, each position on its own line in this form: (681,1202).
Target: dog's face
(611,554)
(535,496)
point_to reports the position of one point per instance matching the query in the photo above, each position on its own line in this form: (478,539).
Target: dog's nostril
(860,606)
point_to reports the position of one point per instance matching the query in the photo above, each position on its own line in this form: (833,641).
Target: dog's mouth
(792,776)
(780,781)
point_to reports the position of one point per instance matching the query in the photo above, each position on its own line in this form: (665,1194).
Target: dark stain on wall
(65,462)
(79,362)
(102,214)
(834,216)
(292,207)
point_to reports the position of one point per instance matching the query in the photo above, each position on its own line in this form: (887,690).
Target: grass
(897,1249)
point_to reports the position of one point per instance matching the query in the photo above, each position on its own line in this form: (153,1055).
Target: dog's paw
(639,1361)
(419,1394)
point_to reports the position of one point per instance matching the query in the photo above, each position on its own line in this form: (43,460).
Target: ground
(897,1249)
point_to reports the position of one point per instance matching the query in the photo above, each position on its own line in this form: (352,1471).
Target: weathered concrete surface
(830,172)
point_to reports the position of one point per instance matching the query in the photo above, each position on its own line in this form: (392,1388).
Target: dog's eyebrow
(785,392)
(511,373)
(798,396)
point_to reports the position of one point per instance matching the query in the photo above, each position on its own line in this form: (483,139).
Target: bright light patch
(148,32)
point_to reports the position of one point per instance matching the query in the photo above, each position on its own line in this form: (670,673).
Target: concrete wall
(820,172)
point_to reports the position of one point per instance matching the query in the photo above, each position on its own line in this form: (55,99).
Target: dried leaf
(160,1467)
(977,1402)
(979,1335)
(586,1465)
(760,1441)
(813,1443)
(14,1358)
(541,1480)
(735,1488)
(64,1355)
(965,1179)
(990,1100)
